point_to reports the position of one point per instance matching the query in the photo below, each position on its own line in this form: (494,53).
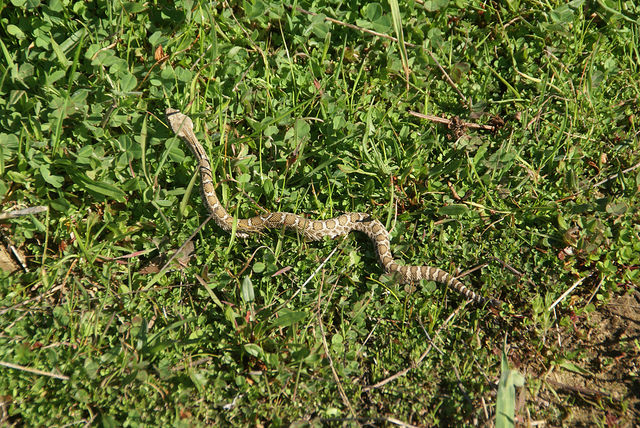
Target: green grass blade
(506,401)
(397,26)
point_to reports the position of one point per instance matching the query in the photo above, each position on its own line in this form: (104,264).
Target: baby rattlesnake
(314,230)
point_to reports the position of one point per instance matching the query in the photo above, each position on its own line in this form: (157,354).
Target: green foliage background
(306,115)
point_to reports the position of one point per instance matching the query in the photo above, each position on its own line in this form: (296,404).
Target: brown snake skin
(314,230)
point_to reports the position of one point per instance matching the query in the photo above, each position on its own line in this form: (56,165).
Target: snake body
(314,230)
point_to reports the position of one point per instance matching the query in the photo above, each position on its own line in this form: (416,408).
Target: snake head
(181,124)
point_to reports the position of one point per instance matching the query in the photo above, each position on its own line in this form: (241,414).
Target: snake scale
(314,230)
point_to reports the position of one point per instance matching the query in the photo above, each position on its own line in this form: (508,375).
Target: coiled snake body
(314,230)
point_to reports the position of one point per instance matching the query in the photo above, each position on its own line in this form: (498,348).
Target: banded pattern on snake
(314,230)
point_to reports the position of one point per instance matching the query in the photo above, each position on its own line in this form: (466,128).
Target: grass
(301,112)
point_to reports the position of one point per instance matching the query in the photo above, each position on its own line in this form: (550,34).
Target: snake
(310,229)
